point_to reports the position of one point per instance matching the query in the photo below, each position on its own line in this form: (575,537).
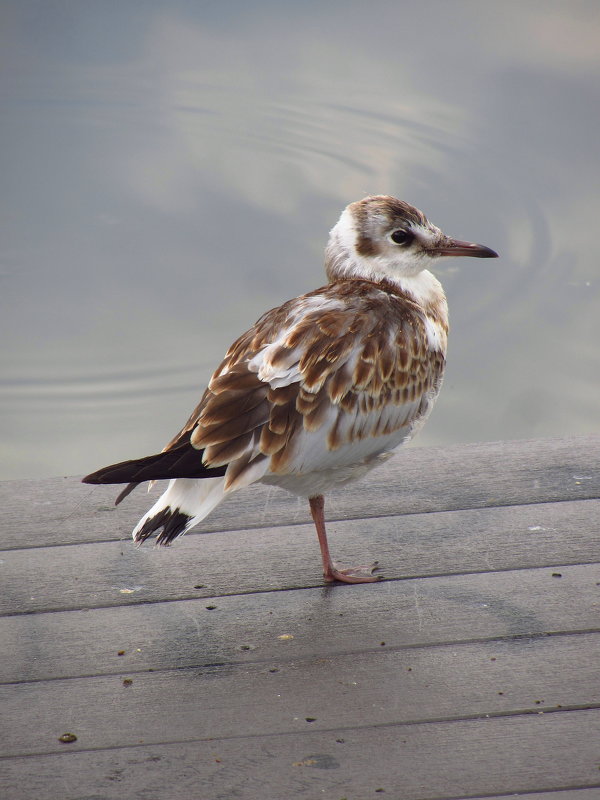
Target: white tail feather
(194,497)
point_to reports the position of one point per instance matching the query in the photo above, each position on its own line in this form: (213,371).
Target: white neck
(408,273)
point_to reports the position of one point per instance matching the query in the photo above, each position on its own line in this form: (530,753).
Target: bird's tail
(183,461)
(194,490)
(185,502)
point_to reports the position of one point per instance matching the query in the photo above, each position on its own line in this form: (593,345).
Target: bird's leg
(362,574)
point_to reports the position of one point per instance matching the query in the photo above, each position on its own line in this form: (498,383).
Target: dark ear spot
(365,246)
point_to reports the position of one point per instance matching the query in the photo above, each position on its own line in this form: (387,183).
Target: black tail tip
(172,521)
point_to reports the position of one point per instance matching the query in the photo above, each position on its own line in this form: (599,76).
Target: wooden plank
(246,629)
(440,761)
(326,693)
(235,562)
(417,480)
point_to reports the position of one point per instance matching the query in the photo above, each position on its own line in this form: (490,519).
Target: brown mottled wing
(342,364)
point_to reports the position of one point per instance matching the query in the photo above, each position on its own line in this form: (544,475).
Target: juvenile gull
(321,389)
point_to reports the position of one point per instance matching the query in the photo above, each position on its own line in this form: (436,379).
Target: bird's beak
(454,247)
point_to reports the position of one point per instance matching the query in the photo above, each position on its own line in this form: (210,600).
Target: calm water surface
(171,170)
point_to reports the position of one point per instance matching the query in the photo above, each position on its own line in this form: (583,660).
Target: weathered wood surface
(323,622)
(277,697)
(223,668)
(271,559)
(442,761)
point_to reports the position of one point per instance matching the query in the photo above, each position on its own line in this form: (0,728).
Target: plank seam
(319,585)
(482,718)
(329,519)
(454,643)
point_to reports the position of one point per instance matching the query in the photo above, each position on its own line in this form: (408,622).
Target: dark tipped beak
(454,247)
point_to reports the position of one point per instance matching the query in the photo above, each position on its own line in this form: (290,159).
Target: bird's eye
(402,237)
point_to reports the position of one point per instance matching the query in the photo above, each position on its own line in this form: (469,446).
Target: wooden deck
(222,668)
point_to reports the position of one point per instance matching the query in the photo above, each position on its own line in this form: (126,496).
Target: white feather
(288,372)
(195,497)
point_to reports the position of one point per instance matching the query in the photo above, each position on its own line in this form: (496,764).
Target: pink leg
(363,574)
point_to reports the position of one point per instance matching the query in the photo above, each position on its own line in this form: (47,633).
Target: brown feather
(223,453)
(363,374)
(334,437)
(281,417)
(271,442)
(236,469)
(314,419)
(282,395)
(236,425)
(282,357)
(238,378)
(282,460)
(339,383)
(219,407)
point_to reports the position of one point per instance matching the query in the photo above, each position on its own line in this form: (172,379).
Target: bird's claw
(360,574)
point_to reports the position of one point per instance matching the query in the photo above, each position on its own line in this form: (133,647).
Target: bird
(321,389)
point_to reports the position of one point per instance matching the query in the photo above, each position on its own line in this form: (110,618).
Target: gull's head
(382,237)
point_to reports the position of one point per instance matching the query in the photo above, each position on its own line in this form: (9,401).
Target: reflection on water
(171,171)
(46,395)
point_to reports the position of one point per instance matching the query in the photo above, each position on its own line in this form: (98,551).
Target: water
(171,170)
